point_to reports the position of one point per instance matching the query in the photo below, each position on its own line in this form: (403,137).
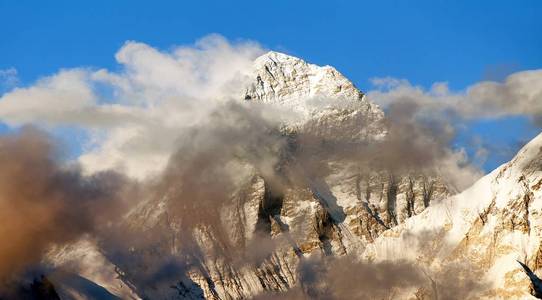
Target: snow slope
(488,228)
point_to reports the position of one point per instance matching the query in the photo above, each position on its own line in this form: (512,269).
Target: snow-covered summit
(285,79)
(322,99)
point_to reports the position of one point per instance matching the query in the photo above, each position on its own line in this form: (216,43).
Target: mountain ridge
(348,212)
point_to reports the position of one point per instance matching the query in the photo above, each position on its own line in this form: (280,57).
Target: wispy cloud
(519,94)
(136,114)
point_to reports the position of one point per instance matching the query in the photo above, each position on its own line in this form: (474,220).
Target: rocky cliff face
(348,210)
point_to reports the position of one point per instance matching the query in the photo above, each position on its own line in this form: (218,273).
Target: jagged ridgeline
(330,218)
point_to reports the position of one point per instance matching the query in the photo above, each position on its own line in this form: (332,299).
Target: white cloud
(52,99)
(456,168)
(519,94)
(135,115)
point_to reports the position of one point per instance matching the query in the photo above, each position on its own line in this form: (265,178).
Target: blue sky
(460,42)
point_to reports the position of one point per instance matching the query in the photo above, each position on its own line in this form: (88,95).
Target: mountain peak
(285,79)
(277,57)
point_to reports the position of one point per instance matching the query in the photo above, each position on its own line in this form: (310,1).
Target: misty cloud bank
(348,278)
(154,92)
(121,111)
(518,95)
(174,123)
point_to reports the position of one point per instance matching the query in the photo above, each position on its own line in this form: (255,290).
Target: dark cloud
(348,278)
(413,143)
(43,203)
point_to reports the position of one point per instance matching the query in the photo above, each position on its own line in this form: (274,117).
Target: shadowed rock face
(536,283)
(38,289)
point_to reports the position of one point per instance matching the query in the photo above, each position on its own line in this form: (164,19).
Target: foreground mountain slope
(485,230)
